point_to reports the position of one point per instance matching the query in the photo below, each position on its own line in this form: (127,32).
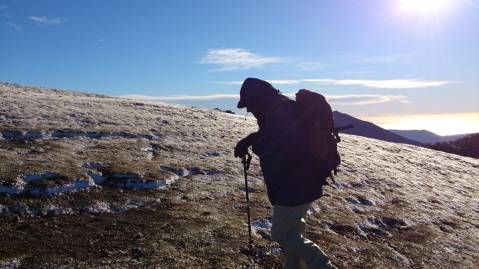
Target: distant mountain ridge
(368,129)
(462,144)
(466,146)
(427,137)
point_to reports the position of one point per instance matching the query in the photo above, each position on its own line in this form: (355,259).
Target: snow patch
(106,207)
(39,176)
(70,187)
(7,117)
(11,264)
(358,184)
(140,184)
(25,135)
(261,227)
(214,172)
(53,210)
(23,185)
(360,201)
(98,178)
(250,190)
(66,133)
(128,175)
(22,210)
(38,134)
(186,171)
(339,185)
(15,188)
(377,226)
(99,207)
(133,181)
(275,251)
(130,180)
(11,134)
(93,165)
(313,210)
(149,152)
(182,172)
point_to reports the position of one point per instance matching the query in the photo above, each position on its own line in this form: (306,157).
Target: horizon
(395,63)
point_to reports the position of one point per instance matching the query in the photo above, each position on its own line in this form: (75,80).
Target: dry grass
(395,206)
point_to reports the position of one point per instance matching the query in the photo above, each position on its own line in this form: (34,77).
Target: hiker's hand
(241,148)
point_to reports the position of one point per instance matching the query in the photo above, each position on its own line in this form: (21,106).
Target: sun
(423,6)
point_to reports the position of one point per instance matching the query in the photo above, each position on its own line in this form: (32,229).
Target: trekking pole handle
(247,160)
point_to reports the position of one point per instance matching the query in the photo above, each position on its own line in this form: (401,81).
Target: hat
(254,89)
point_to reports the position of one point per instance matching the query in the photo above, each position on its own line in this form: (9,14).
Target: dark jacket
(289,169)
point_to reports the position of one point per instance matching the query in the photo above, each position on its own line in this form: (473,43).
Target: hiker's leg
(292,261)
(285,221)
(288,228)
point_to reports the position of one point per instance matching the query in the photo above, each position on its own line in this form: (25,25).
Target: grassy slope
(394,206)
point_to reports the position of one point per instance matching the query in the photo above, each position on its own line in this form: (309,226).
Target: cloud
(272,81)
(230,82)
(383,84)
(365,99)
(2,7)
(345,100)
(15,26)
(284,82)
(45,21)
(236,59)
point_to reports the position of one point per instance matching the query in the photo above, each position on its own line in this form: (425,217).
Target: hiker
(289,169)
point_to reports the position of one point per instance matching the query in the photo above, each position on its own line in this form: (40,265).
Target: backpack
(316,117)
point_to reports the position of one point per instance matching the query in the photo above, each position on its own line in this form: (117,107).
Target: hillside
(467,146)
(93,181)
(368,129)
(426,137)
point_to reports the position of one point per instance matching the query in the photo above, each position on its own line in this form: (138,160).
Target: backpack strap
(277,103)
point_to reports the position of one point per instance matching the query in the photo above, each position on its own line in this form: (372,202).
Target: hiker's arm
(242,147)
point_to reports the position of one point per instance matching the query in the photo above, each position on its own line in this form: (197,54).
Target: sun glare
(423,6)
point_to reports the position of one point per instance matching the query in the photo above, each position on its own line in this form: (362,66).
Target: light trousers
(288,230)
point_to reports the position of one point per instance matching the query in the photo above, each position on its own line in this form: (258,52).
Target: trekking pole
(246,162)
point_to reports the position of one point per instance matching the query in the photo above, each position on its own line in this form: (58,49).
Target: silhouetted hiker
(290,171)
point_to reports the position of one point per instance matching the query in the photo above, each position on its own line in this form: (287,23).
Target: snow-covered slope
(88,180)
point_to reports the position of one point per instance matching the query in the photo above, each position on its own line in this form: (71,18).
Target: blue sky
(379,60)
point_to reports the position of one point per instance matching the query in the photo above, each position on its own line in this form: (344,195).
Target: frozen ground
(93,181)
